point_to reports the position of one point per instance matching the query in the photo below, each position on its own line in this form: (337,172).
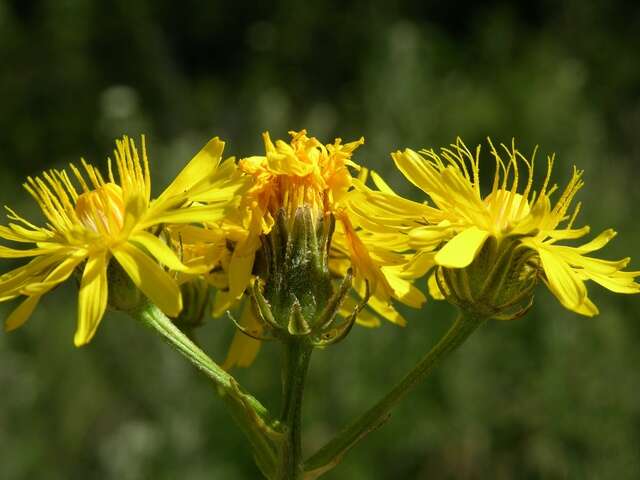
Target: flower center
(102,210)
(507,209)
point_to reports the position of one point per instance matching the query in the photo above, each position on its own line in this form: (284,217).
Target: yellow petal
(589,264)
(379,303)
(414,167)
(222,302)
(159,287)
(460,251)
(6,252)
(198,214)
(244,349)
(92,300)
(568,234)
(12,282)
(22,313)
(200,167)
(364,265)
(39,275)
(404,291)
(161,251)
(18,233)
(134,213)
(562,280)
(434,289)
(587,308)
(379,182)
(598,242)
(365,318)
(428,236)
(241,265)
(418,265)
(218,193)
(619,282)
(386,310)
(58,275)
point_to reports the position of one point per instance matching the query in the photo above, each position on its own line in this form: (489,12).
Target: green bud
(294,293)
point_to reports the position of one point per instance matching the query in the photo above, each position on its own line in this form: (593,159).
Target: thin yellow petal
(197,214)
(92,300)
(222,302)
(404,291)
(562,280)
(380,304)
(241,265)
(18,233)
(200,167)
(619,282)
(413,167)
(587,308)
(365,267)
(434,289)
(58,275)
(22,313)
(150,278)
(379,182)
(598,242)
(568,234)
(418,265)
(40,275)
(244,349)
(386,310)
(365,318)
(162,252)
(428,236)
(460,251)
(6,252)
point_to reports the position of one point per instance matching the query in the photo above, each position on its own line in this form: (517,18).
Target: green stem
(297,354)
(332,453)
(250,415)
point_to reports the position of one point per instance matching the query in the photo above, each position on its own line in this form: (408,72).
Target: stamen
(102,210)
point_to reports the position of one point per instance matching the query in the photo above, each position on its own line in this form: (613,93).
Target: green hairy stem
(332,453)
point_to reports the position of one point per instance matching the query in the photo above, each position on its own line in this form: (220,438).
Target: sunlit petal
(460,251)
(151,279)
(92,299)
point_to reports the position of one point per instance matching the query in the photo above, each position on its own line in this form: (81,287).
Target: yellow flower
(306,173)
(290,175)
(455,227)
(108,218)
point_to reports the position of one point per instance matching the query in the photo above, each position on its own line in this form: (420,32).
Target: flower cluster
(298,240)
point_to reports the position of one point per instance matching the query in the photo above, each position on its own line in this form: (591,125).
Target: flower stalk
(297,354)
(332,453)
(250,415)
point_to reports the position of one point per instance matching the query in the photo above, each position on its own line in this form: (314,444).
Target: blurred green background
(550,396)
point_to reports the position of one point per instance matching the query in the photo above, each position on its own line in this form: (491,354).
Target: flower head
(514,231)
(297,204)
(93,219)
(302,173)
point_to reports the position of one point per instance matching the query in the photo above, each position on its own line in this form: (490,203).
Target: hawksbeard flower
(304,172)
(298,196)
(487,252)
(107,220)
